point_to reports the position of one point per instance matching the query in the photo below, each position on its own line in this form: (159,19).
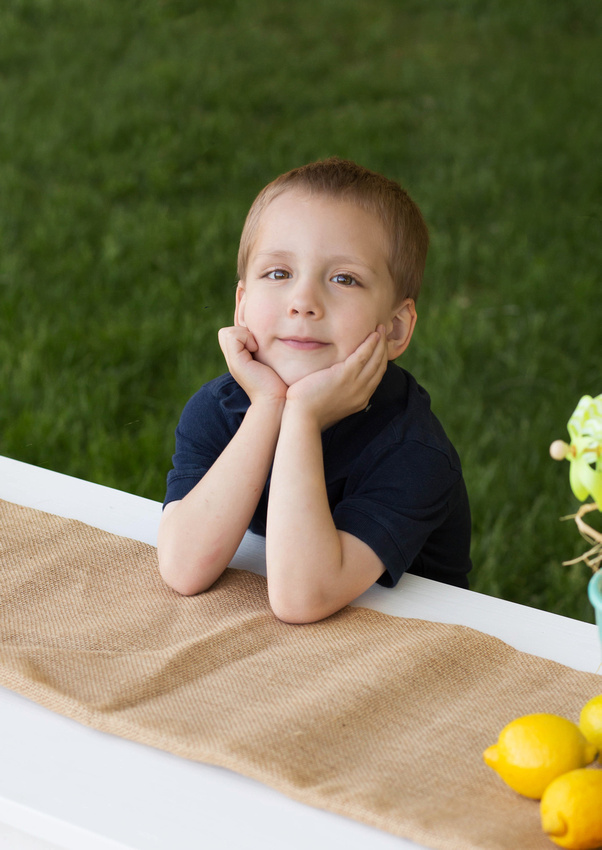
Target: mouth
(303,343)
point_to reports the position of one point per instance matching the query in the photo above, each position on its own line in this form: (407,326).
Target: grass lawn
(134,134)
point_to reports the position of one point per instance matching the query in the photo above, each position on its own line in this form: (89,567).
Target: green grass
(134,136)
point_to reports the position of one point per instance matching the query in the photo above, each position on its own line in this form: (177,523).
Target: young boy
(314,438)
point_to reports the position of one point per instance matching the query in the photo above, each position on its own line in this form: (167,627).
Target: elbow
(294,616)
(175,580)
(299,610)
(181,570)
(187,579)
(296,599)
(182,588)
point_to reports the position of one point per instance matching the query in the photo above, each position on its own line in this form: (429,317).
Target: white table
(65,785)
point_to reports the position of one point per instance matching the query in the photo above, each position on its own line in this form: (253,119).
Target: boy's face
(317,284)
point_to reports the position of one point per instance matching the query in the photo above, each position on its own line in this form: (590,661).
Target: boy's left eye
(345,279)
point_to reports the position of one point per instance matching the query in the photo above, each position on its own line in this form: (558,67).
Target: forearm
(200,535)
(303,546)
(313,569)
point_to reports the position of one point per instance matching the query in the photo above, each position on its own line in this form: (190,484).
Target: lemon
(590,722)
(533,750)
(571,810)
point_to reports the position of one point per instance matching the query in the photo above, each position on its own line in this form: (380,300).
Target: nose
(306,298)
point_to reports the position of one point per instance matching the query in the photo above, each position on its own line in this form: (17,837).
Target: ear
(239,310)
(402,327)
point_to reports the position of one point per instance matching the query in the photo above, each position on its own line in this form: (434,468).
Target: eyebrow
(274,254)
(342,260)
(355,261)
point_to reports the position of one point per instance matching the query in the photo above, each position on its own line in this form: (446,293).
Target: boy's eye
(345,279)
(278,274)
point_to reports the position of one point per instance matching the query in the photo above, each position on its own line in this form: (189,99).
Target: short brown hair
(341,178)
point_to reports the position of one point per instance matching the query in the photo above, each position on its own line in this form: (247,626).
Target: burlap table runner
(375,717)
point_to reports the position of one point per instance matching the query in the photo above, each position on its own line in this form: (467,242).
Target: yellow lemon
(533,750)
(590,722)
(571,810)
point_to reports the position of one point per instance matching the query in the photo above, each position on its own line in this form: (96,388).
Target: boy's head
(329,252)
(406,231)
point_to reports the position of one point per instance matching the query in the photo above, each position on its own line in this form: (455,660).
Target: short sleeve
(202,434)
(409,504)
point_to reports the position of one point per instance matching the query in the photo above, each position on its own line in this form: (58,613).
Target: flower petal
(580,478)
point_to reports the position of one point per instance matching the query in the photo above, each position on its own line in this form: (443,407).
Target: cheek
(357,327)
(259,316)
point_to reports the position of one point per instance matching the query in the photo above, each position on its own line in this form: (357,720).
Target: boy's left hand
(330,395)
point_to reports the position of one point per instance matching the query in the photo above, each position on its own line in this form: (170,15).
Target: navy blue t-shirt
(393,478)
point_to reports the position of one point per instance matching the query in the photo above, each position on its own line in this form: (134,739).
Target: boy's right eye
(278,274)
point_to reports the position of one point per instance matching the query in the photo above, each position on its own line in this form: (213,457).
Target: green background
(133,138)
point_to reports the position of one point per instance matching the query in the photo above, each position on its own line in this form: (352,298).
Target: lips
(303,343)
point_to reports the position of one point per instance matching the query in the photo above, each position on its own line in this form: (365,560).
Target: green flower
(585,450)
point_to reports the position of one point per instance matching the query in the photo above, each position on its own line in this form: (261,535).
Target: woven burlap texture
(378,718)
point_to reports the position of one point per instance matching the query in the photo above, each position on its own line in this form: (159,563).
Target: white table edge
(568,641)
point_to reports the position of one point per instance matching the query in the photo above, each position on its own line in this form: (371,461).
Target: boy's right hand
(258,381)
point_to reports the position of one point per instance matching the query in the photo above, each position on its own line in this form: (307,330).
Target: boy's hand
(345,388)
(257,380)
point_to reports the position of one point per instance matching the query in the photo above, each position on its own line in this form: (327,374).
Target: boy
(315,439)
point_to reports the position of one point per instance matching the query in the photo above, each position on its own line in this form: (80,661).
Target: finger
(247,338)
(223,337)
(365,349)
(369,354)
(372,369)
(240,335)
(233,341)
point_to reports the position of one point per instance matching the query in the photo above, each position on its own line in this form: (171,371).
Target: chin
(291,374)
(291,377)
(294,369)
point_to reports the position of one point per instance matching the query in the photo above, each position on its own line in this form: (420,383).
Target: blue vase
(594,591)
